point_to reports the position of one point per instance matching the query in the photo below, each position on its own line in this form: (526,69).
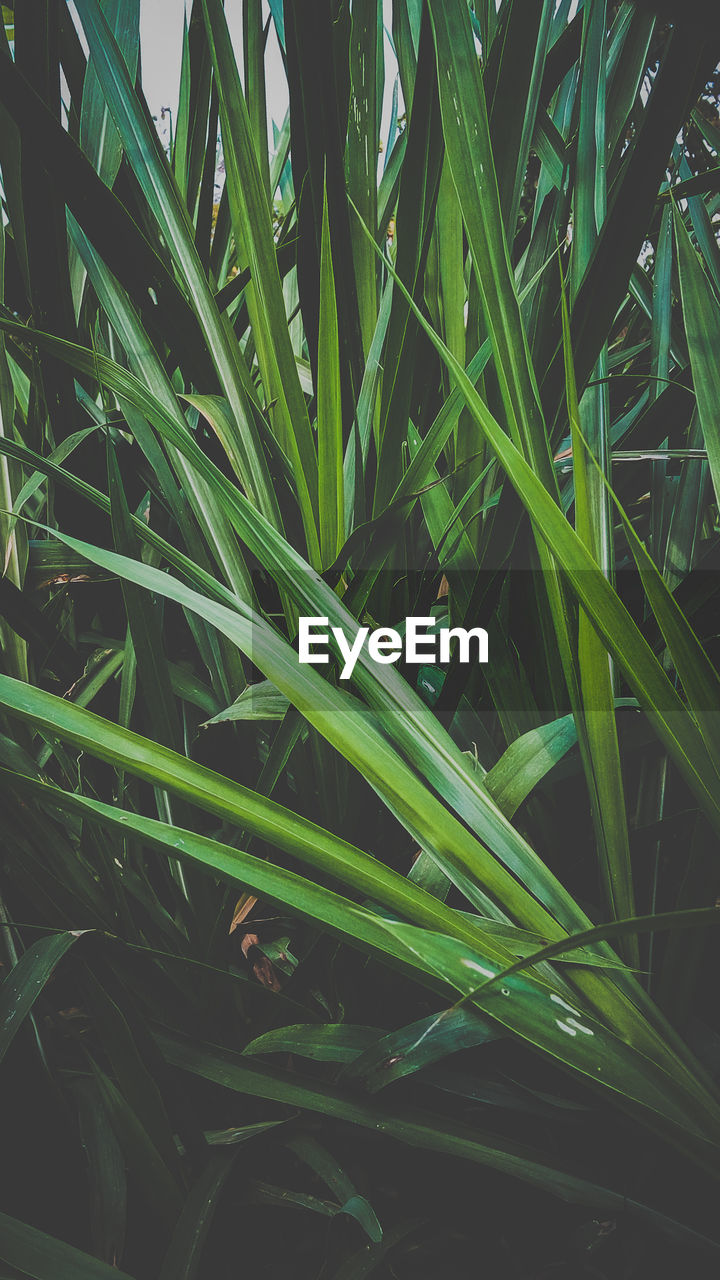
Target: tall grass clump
(412,974)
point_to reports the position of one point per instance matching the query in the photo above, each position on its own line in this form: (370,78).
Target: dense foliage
(412,975)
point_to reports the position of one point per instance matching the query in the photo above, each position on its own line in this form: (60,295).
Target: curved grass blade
(419,1045)
(246,809)
(334,1176)
(527,760)
(323,1042)
(622,637)
(525,1004)
(412,724)
(25,981)
(420,1130)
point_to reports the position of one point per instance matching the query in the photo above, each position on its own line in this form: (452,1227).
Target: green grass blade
(334,1176)
(692,919)
(598,728)
(255,88)
(231,1071)
(145,155)
(413,725)
(106,1168)
(45,1258)
(25,981)
(622,638)
(527,760)
(144,622)
(469,152)
(184,1257)
(99,138)
(250,212)
(245,809)
(329,409)
(701,313)
(361,154)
